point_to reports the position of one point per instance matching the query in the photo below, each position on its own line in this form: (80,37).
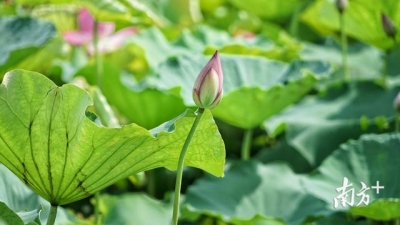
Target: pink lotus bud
(341,5)
(396,103)
(388,26)
(207,90)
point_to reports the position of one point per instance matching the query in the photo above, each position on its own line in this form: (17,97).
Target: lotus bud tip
(396,103)
(341,5)
(388,26)
(207,90)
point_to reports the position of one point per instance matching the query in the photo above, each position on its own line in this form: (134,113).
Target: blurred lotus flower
(244,34)
(341,5)
(207,90)
(396,103)
(108,40)
(388,26)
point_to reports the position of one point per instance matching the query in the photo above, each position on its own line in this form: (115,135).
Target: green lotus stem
(99,80)
(246,144)
(151,183)
(397,123)
(194,9)
(178,181)
(96,208)
(52,215)
(294,22)
(99,72)
(386,67)
(343,39)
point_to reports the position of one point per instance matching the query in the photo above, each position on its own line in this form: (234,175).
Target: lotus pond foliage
(199,112)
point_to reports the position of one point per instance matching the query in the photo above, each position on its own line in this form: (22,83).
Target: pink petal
(77,38)
(86,21)
(86,24)
(106,29)
(119,37)
(113,42)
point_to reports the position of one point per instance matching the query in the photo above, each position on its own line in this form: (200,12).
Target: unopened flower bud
(207,90)
(341,5)
(388,26)
(396,103)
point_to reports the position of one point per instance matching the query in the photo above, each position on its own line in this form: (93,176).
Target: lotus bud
(207,90)
(396,103)
(341,5)
(388,26)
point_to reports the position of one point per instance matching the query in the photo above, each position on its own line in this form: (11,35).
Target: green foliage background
(283,80)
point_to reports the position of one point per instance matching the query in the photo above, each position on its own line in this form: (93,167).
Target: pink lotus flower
(207,90)
(244,34)
(108,40)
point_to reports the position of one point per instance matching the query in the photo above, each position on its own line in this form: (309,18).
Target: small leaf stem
(343,39)
(52,215)
(178,181)
(246,144)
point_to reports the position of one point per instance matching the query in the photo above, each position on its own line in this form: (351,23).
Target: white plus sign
(377,187)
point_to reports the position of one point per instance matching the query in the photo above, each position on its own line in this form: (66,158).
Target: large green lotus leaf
(134,209)
(257,220)
(166,12)
(18,197)
(271,9)
(151,9)
(209,218)
(46,140)
(362,19)
(205,36)
(274,190)
(393,68)
(22,200)
(16,194)
(63,16)
(286,52)
(254,88)
(126,12)
(340,218)
(103,10)
(157,48)
(32,35)
(249,189)
(309,125)
(283,151)
(370,159)
(100,107)
(206,39)
(139,105)
(202,36)
(381,209)
(358,54)
(42,60)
